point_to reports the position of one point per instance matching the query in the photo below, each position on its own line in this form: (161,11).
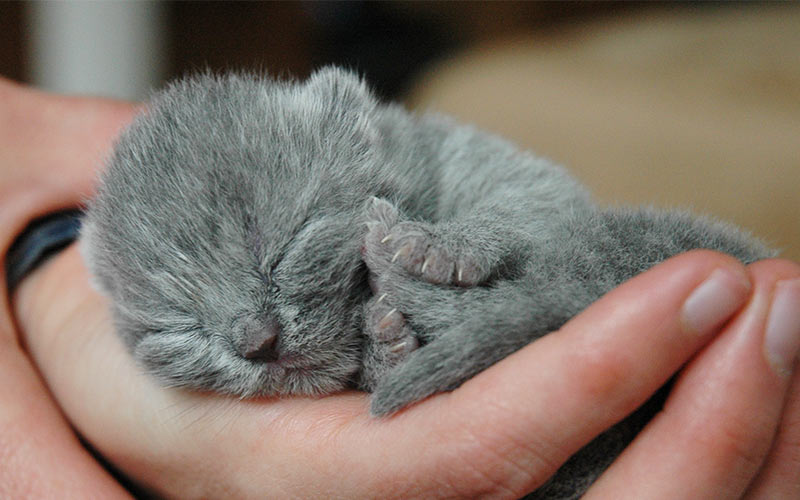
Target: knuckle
(600,374)
(775,269)
(737,443)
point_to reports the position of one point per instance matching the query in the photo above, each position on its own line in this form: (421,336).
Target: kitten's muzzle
(260,340)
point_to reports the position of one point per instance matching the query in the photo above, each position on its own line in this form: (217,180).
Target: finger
(779,478)
(37,180)
(40,455)
(77,133)
(511,425)
(718,423)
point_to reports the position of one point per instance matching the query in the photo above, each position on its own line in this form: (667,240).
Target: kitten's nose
(260,340)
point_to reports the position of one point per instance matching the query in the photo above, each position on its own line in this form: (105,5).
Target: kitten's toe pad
(468,272)
(386,324)
(424,254)
(418,248)
(389,340)
(410,247)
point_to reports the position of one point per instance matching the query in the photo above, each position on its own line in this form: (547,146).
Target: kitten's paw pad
(468,272)
(424,254)
(418,248)
(409,245)
(386,324)
(388,340)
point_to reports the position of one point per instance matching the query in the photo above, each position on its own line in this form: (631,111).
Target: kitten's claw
(388,319)
(417,249)
(405,346)
(389,340)
(422,249)
(397,254)
(383,322)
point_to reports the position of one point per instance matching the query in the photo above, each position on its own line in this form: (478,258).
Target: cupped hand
(728,428)
(50,147)
(725,428)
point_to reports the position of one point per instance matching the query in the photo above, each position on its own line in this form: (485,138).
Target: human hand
(50,147)
(502,433)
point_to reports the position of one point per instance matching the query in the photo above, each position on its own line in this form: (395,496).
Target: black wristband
(43,237)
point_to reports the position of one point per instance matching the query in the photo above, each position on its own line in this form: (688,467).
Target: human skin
(731,424)
(49,147)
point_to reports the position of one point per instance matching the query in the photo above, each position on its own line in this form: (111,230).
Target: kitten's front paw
(406,315)
(386,324)
(388,340)
(422,249)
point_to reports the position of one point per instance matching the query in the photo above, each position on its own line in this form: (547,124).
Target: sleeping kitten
(263,237)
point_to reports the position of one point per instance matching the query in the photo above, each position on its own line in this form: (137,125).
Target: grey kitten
(264,237)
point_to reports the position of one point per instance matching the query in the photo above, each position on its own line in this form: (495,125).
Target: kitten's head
(226,231)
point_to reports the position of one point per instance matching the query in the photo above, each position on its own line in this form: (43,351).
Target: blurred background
(675,105)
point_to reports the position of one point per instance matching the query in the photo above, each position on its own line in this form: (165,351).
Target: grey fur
(237,204)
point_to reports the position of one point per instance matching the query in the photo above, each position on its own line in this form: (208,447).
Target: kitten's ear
(341,86)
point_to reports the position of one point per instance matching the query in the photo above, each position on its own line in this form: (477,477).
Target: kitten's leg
(490,328)
(463,330)
(443,253)
(388,341)
(587,256)
(405,311)
(389,337)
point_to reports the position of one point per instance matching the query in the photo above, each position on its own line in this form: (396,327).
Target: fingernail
(782,338)
(715,300)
